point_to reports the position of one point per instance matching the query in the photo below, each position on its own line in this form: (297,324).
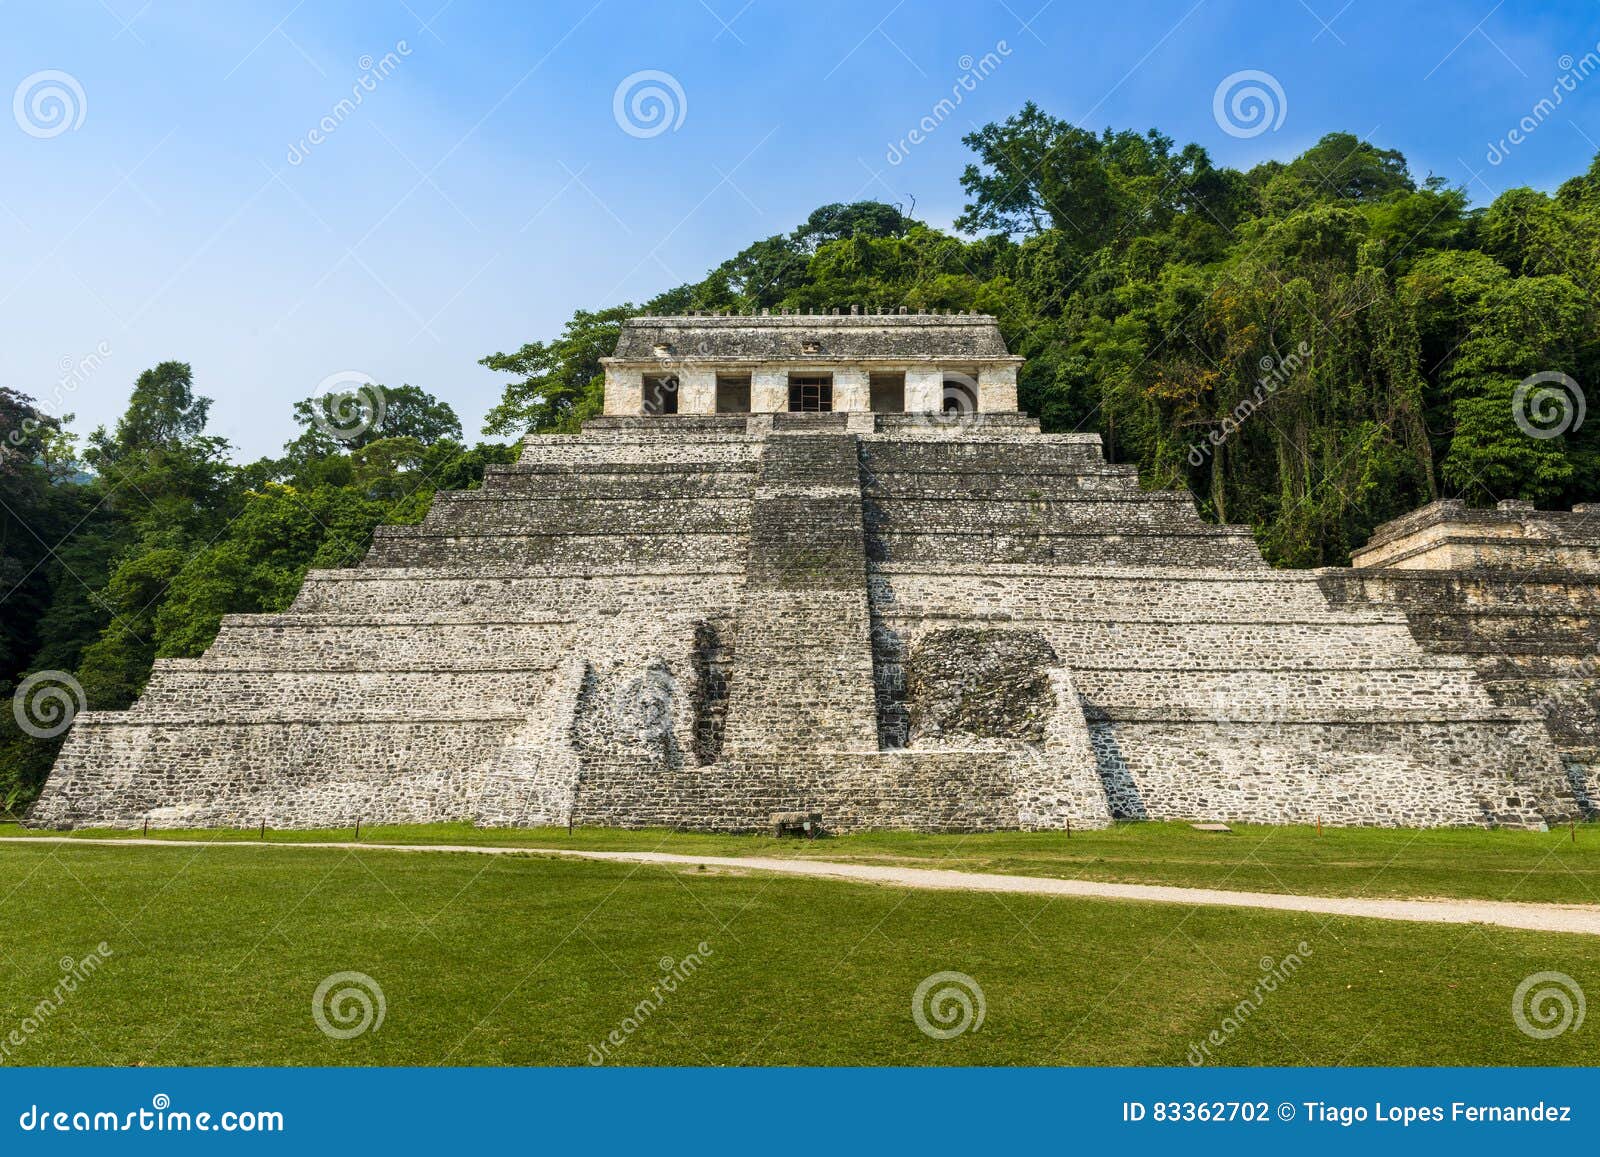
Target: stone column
(769,390)
(697,391)
(997,389)
(851,391)
(624,391)
(924,391)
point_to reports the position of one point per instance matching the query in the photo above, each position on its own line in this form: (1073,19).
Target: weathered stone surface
(823,339)
(1511,536)
(1513,592)
(979,683)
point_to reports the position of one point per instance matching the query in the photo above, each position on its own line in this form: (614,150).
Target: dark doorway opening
(810,394)
(888,393)
(733,395)
(660,395)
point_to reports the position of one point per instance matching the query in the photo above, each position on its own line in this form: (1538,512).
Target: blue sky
(483,188)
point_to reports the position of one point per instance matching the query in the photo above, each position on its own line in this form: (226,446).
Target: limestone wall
(1511,536)
(1368,770)
(301,772)
(1529,626)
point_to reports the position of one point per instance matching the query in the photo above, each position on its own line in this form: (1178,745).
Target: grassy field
(216,952)
(1469,863)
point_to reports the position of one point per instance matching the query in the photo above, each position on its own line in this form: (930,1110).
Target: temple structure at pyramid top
(815,565)
(708,363)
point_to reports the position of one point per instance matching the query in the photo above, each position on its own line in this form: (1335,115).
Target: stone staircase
(802,666)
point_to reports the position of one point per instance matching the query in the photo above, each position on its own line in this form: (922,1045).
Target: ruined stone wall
(1532,634)
(1510,536)
(436,681)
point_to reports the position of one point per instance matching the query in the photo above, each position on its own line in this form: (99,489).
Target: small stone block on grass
(804,824)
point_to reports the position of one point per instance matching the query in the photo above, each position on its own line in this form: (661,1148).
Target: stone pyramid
(811,564)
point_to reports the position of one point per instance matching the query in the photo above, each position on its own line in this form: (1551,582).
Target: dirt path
(1579,918)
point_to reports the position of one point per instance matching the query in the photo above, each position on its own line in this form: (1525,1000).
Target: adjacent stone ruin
(910,609)
(1512,590)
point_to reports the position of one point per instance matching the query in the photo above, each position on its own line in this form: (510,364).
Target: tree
(1344,167)
(38,512)
(1519,327)
(838,222)
(169,486)
(158,466)
(562,381)
(164,411)
(352,419)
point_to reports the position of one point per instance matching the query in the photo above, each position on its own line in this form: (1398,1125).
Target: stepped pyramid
(813,563)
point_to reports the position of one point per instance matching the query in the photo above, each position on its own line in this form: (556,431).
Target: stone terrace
(1511,590)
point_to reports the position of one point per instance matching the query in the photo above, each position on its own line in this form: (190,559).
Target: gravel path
(1579,918)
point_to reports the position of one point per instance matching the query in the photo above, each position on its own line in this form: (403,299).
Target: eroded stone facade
(1511,590)
(933,617)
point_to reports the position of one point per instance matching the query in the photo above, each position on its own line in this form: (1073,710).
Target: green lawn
(216,953)
(1495,865)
